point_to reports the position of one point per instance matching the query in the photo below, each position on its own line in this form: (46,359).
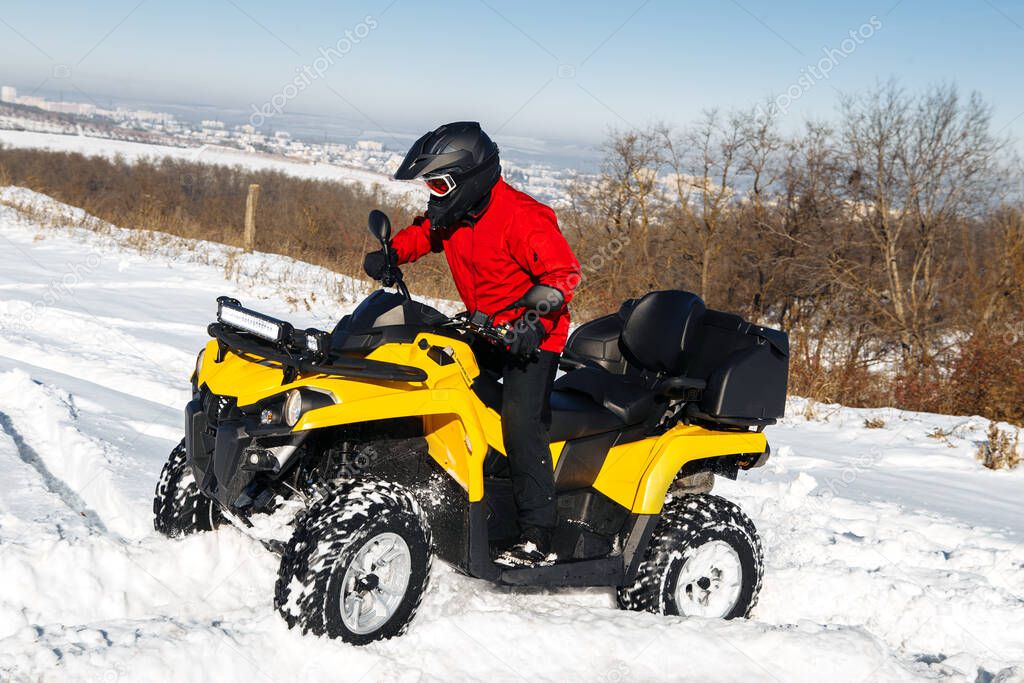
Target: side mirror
(541,298)
(380,226)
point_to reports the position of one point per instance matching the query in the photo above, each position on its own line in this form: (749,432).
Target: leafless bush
(1000,451)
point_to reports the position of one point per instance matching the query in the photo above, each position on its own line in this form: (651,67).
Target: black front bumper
(215,440)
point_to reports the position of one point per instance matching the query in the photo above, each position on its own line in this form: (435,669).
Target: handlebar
(380,227)
(392,277)
(480,324)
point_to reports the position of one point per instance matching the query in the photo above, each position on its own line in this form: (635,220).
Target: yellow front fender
(461,457)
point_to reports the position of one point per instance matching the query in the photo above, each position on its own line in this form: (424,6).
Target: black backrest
(598,340)
(662,330)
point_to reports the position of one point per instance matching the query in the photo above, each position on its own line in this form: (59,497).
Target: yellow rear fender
(637,475)
(699,444)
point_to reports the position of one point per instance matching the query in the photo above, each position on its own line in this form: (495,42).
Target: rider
(499,242)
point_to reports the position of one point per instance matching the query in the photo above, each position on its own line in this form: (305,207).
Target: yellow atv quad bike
(387,431)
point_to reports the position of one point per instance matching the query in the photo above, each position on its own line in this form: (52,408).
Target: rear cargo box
(746,367)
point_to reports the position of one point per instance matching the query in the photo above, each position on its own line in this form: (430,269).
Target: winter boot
(533,549)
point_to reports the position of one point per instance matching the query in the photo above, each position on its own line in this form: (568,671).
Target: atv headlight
(293,408)
(290,407)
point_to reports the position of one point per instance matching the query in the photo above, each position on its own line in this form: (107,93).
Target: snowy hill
(208,154)
(891,554)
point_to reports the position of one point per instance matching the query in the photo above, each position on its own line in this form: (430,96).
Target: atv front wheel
(357,564)
(704,559)
(178,506)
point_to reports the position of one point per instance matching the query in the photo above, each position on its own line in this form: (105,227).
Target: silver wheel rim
(375,583)
(710,580)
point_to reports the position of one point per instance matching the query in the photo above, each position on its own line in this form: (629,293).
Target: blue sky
(531,70)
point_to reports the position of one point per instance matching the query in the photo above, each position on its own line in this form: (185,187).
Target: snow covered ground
(208,154)
(891,553)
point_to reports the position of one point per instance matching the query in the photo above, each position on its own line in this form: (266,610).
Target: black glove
(380,266)
(525,334)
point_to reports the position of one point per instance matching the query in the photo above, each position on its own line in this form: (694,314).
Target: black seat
(573,415)
(624,397)
(648,339)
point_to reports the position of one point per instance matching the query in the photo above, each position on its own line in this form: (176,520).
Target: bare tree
(621,206)
(704,163)
(634,160)
(915,166)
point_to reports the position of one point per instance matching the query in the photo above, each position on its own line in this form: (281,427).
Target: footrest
(605,571)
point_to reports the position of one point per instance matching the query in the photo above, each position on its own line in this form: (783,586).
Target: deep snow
(890,554)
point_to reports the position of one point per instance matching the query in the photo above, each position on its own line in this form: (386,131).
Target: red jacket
(515,244)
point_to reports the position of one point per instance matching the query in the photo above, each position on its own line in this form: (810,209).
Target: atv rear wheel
(178,506)
(704,559)
(357,564)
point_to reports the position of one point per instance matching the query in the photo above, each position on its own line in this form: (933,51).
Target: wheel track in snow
(52,483)
(85,472)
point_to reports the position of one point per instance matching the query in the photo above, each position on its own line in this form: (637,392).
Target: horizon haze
(534,74)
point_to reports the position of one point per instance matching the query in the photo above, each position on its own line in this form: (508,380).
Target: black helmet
(464,162)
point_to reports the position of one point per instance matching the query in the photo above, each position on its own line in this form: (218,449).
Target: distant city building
(8,93)
(212,123)
(69,108)
(370,146)
(143,115)
(30,101)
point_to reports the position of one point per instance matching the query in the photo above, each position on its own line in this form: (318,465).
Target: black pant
(525,426)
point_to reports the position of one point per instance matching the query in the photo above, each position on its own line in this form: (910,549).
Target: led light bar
(230,312)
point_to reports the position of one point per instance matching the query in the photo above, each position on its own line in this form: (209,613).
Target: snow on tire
(178,506)
(704,559)
(357,565)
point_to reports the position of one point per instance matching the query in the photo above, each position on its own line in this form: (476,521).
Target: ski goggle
(440,185)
